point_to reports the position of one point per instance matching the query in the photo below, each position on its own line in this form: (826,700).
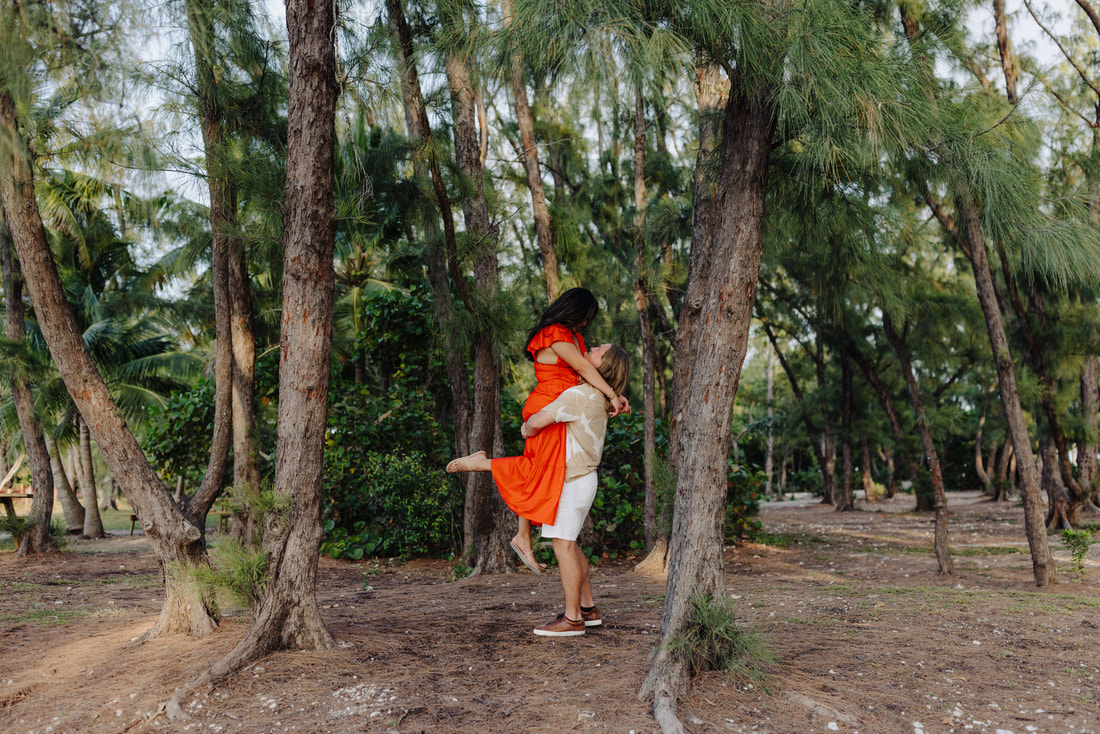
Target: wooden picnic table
(8,499)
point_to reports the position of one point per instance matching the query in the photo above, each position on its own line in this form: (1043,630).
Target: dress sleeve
(549,335)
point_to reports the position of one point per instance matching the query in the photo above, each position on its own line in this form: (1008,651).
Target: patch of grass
(39,616)
(783,540)
(713,641)
(989,550)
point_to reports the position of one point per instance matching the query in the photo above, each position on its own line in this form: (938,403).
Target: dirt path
(868,639)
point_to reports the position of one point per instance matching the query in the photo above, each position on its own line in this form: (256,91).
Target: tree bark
(887,401)
(866,475)
(223,226)
(420,133)
(93,525)
(979,467)
(1087,471)
(1008,62)
(939,497)
(769,456)
(1041,561)
(844,502)
(70,503)
(711,95)
(645,327)
(174,539)
(286,615)
(492,534)
(36,536)
(730,260)
(526,124)
(1059,507)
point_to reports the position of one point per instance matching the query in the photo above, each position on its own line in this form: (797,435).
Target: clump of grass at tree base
(713,641)
(237,573)
(1078,542)
(20,526)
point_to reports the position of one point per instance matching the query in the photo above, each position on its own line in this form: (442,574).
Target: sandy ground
(867,637)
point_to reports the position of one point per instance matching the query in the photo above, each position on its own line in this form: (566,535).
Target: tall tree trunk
(828,442)
(70,503)
(1058,504)
(887,401)
(823,449)
(36,538)
(711,95)
(939,496)
(1087,471)
(866,475)
(844,500)
(769,456)
(730,260)
(492,534)
(223,226)
(1003,484)
(979,467)
(1041,561)
(174,539)
(93,526)
(645,327)
(1008,61)
(286,615)
(426,169)
(526,124)
(246,457)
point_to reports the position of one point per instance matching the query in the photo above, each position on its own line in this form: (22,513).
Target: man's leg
(573,567)
(586,599)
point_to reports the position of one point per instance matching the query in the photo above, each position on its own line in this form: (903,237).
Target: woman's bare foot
(465,463)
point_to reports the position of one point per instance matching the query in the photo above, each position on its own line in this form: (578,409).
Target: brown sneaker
(561,627)
(592,617)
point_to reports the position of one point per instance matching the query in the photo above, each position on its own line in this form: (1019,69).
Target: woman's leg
(476,461)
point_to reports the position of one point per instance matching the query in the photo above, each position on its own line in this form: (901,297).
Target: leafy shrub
(389,504)
(744,487)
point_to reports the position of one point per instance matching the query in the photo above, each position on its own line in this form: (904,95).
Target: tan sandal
(455,466)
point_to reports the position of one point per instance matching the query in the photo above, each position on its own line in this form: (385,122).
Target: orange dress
(531,484)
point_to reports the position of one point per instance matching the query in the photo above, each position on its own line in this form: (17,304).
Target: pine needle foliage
(237,572)
(712,640)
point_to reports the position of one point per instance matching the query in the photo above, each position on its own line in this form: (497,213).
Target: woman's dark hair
(575,309)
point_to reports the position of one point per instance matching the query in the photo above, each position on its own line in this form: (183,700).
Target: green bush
(389,505)
(744,487)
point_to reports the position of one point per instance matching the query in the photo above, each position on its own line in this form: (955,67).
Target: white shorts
(576,500)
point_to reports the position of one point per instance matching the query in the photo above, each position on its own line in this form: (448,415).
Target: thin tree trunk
(36,536)
(730,258)
(822,449)
(174,539)
(286,615)
(649,348)
(1058,502)
(939,497)
(416,120)
(1041,561)
(223,226)
(492,534)
(246,467)
(1008,61)
(866,475)
(526,124)
(93,526)
(769,374)
(1087,471)
(828,442)
(70,503)
(844,501)
(979,468)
